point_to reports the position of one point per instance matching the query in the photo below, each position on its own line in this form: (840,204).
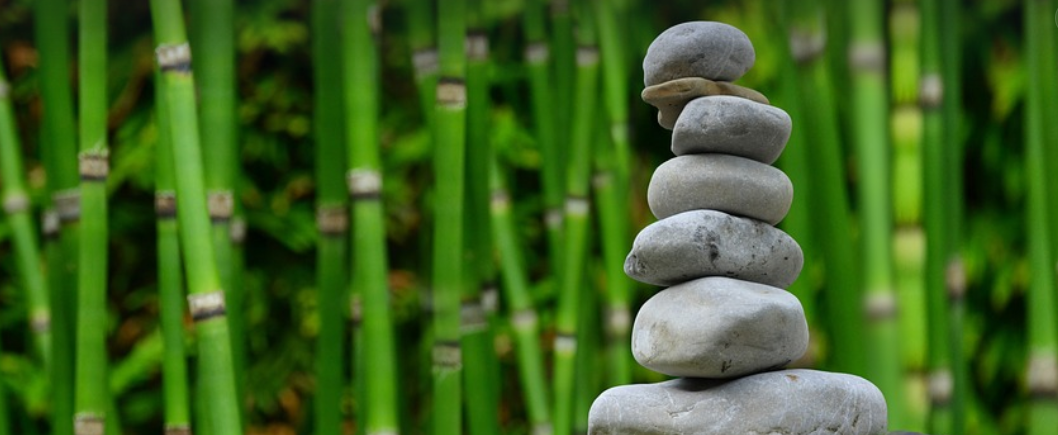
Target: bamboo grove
(411,216)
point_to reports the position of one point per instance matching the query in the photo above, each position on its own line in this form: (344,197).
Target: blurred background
(924,159)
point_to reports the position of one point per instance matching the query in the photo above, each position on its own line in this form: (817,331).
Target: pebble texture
(719,328)
(670,97)
(701,243)
(732,125)
(706,49)
(788,402)
(730,184)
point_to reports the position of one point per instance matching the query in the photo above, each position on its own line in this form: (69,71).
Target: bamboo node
(618,320)
(472,317)
(477,46)
(931,91)
(940,387)
(16,203)
(364,184)
(50,223)
(490,297)
(93,166)
(524,319)
(452,93)
(174,57)
(499,200)
(88,423)
(955,279)
(587,55)
(221,205)
(880,305)
(374,19)
(602,179)
(205,306)
(576,205)
(806,46)
(447,354)
(356,311)
(553,218)
(543,429)
(68,205)
(867,56)
(332,220)
(237,230)
(565,342)
(537,52)
(165,204)
(425,61)
(177,429)
(1042,377)
(40,321)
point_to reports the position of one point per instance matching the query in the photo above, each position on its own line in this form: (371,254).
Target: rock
(706,49)
(719,327)
(731,125)
(700,243)
(670,97)
(730,184)
(788,402)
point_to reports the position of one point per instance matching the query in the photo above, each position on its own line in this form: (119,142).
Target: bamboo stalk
(332,212)
(448,250)
(5,419)
(90,394)
(170,285)
(206,296)
(421,40)
(361,66)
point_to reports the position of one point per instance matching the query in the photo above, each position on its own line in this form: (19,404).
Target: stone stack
(724,325)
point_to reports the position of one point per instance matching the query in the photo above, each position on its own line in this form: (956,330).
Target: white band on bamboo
(68,205)
(618,320)
(447,354)
(955,279)
(1042,377)
(477,46)
(565,343)
(931,91)
(88,424)
(543,429)
(537,52)
(576,205)
(524,319)
(177,429)
(587,55)
(172,57)
(332,220)
(374,19)
(165,204)
(356,311)
(499,201)
(40,321)
(16,203)
(490,298)
(472,318)
(237,230)
(204,306)
(50,223)
(880,305)
(805,45)
(619,132)
(451,93)
(364,184)
(221,205)
(93,166)
(867,56)
(553,218)
(940,386)
(601,179)
(425,62)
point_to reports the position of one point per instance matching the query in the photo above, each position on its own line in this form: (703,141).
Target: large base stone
(787,402)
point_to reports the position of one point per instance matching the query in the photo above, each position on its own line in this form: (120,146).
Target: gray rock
(670,97)
(701,243)
(788,402)
(719,328)
(730,184)
(706,49)
(731,125)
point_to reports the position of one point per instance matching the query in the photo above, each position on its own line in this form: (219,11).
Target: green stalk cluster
(332,216)
(360,64)
(206,296)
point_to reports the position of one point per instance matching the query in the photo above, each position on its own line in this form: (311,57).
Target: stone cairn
(725,325)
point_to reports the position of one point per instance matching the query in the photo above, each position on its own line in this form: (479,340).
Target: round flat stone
(722,182)
(787,402)
(706,49)
(719,328)
(670,97)
(701,243)
(731,125)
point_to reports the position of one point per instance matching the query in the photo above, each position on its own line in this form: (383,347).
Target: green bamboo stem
(332,212)
(16,206)
(421,40)
(576,231)
(206,296)
(5,419)
(361,66)
(448,251)
(589,379)
(524,319)
(170,284)
(90,394)
(562,54)
(1042,337)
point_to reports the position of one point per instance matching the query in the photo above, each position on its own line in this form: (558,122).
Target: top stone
(706,49)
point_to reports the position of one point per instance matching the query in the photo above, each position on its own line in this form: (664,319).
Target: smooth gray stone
(701,243)
(719,327)
(730,184)
(706,49)
(731,125)
(788,402)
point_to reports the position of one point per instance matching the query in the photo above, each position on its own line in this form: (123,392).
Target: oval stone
(701,243)
(731,125)
(722,182)
(788,402)
(719,327)
(706,49)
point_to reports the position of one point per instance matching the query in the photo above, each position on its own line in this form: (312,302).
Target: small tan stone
(670,97)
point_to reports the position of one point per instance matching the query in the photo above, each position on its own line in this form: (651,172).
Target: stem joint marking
(174,58)
(16,203)
(93,166)
(68,205)
(205,306)
(221,205)
(88,423)
(447,354)
(165,204)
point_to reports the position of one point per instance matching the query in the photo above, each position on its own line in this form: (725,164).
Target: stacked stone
(725,325)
